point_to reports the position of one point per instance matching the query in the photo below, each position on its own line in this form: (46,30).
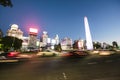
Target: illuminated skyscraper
(66,43)
(45,38)
(56,39)
(33,37)
(15,32)
(89,43)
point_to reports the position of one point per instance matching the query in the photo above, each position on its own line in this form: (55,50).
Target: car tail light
(11,54)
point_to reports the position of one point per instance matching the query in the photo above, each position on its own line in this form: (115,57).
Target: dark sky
(65,18)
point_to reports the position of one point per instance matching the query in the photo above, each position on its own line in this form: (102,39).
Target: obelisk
(89,43)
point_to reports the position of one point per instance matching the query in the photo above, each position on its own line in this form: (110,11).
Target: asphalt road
(63,68)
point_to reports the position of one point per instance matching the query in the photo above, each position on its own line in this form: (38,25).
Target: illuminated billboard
(33,31)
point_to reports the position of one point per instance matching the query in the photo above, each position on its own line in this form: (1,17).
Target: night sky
(65,18)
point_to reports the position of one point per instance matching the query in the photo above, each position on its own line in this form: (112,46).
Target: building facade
(66,43)
(32,38)
(14,31)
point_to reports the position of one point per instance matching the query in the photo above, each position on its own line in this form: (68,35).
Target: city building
(55,41)
(48,43)
(44,40)
(29,42)
(14,31)
(81,44)
(66,43)
(32,38)
(25,43)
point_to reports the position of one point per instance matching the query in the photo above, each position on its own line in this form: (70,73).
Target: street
(92,67)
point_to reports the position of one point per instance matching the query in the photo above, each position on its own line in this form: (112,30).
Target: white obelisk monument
(89,43)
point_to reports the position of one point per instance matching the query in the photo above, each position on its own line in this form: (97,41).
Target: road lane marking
(64,75)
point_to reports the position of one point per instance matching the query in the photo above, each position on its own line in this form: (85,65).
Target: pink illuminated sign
(33,30)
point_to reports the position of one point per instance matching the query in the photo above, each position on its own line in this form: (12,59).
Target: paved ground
(63,68)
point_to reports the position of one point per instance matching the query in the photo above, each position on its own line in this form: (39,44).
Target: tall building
(45,38)
(14,31)
(25,43)
(81,44)
(89,43)
(66,43)
(57,39)
(33,38)
(48,43)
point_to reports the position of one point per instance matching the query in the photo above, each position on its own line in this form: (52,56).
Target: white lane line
(64,75)
(92,63)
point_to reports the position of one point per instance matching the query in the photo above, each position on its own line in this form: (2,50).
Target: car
(12,54)
(47,53)
(78,53)
(75,53)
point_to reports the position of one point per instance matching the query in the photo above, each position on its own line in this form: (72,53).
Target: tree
(75,44)
(97,45)
(6,3)
(58,47)
(1,45)
(11,42)
(1,33)
(115,44)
